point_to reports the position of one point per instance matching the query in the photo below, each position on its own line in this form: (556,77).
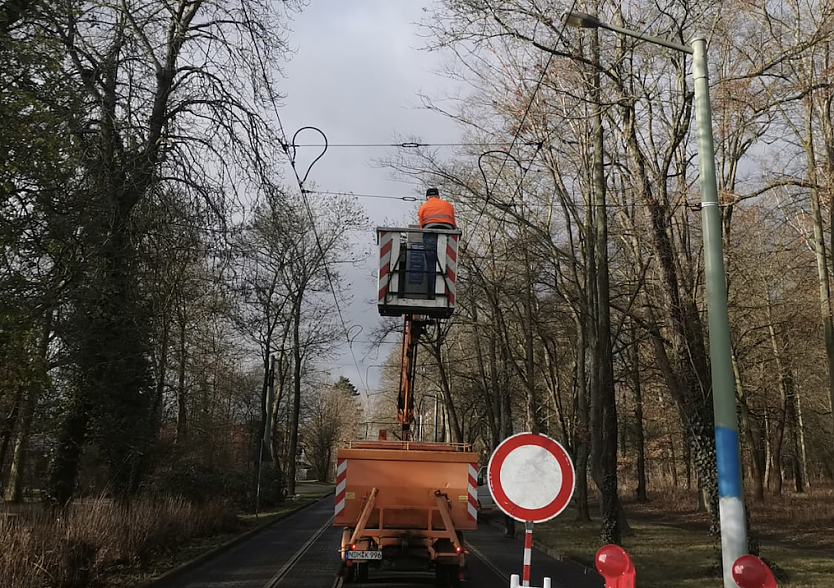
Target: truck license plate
(363,555)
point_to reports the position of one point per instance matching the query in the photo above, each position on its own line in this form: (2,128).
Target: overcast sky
(356,75)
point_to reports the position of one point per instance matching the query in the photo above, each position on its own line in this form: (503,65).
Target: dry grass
(667,556)
(792,520)
(163,561)
(76,547)
(671,546)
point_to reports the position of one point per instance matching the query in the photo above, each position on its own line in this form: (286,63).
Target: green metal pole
(730,493)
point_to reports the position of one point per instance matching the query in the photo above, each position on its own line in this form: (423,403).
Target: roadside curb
(550,551)
(166,577)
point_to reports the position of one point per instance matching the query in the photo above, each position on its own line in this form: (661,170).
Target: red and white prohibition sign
(531,478)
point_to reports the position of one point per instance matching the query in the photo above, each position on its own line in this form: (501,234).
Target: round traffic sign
(531,477)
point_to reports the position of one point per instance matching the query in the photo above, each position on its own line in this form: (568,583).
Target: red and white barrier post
(528,552)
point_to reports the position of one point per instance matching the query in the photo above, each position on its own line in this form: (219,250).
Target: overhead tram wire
(287,146)
(409,144)
(611,205)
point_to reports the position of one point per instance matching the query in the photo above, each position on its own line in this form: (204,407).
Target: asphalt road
(301,551)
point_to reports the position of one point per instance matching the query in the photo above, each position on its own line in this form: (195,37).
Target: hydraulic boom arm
(413,327)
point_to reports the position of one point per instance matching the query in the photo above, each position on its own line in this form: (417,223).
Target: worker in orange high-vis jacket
(435,213)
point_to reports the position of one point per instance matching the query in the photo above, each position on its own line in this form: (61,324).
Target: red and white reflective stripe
(472,504)
(528,553)
(451,267)
(386,242)
(341,485)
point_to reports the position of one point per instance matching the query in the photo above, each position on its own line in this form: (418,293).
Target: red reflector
(349,563)
(751,572)
(353,545)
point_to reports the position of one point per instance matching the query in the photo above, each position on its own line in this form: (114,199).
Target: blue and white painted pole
(730,491)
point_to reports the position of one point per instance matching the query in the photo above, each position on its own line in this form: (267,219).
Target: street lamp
(731,498)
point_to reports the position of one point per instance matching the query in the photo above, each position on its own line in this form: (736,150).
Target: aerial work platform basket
(417,271)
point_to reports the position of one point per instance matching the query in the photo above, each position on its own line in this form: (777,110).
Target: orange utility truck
(405,503)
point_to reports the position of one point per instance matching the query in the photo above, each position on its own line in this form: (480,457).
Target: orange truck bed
(405,500)
(407,476)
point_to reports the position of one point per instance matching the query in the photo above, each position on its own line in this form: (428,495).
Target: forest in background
(154,258)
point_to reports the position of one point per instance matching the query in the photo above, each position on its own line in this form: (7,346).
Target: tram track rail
(277,580)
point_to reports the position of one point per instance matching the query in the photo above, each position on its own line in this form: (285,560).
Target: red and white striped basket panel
(386,243)
(451,267)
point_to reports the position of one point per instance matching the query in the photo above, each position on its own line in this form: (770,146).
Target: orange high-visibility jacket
(435,210)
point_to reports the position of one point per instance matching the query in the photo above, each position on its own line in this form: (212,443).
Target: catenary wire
(612,205)
(408,144)
(287,146)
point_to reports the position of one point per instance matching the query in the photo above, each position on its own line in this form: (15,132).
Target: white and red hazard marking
(531,477)
(386,241)
(472,502)
(451,267)
(341,485)
(528,554)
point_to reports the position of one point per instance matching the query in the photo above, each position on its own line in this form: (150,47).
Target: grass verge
(666,556)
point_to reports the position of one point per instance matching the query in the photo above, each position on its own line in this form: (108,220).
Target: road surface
(301,551)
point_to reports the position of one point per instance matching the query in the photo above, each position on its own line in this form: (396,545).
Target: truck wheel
(362,572)
(441,575)
(350,574)
(454,576)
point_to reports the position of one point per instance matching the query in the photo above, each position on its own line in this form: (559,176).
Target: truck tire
(454,576)
(447,575)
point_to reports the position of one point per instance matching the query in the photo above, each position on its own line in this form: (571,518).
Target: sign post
(532,480)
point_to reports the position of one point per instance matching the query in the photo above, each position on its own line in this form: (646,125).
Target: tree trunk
(182,393)
(642,494)
(484,381)
(14,489)
(673,460)
(504,424)
(454,423)
(532,420)
(758,460)
(774,481)
(820,253)
(611,530)
(767,460)
(296,396)
(583,422)
(64,469)
(161,374)
(7,433)
(799,466)
(797,437)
